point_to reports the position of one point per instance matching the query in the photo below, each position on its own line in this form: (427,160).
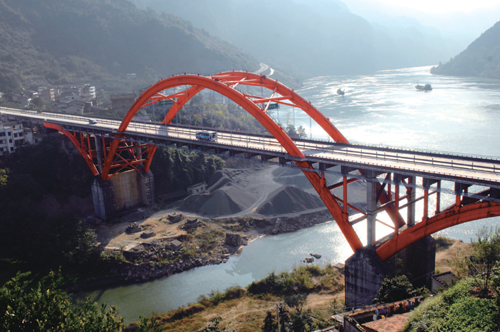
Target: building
(122,102)
(443,280)
(74,109)
(198,188)
(47,95)
(89,89)
(13,135)
(387,317)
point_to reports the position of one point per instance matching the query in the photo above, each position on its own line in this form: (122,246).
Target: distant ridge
(306,38)
(481,58)
(65,41)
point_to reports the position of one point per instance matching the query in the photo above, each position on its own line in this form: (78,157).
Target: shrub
(442,243)
(454,310)
(183,312)
(42,306)
(471,314)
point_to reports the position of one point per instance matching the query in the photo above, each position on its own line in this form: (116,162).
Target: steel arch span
(119,154)
(450,217)
(225,84)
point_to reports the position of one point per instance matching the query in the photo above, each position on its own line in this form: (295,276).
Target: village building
(387,317)
(90,90)
(13,135)
(122,102)
(47,95)
(198,188)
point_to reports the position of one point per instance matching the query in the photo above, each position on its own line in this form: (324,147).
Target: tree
(45,307)
(213,326)
(486,254)
(37,103)
(395,289)
(301,131)
(270,324)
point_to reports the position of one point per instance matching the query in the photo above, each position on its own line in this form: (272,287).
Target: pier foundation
(123,192)
(365,271)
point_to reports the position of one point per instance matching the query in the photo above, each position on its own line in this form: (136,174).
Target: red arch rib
(80,147)
(441,221)
(219,84)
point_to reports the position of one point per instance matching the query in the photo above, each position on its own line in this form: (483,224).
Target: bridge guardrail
(349,150)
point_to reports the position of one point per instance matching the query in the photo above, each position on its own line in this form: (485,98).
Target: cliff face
(481,58)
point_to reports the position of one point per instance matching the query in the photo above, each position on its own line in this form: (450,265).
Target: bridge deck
(444,166)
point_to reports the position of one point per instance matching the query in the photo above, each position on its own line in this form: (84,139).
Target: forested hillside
(310,38)
(45,188)
(481,58)
(98,40)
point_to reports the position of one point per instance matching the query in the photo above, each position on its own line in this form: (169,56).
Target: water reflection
(460,115)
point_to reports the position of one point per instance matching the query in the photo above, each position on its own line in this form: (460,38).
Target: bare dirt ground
(444,258)
(258,191)
(114,237)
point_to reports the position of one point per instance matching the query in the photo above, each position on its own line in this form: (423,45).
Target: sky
(454,18)
(443,6)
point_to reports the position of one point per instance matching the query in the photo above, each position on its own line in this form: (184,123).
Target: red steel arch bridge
(392,175)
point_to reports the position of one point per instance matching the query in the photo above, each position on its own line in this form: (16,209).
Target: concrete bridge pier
(365,271)
(123,192)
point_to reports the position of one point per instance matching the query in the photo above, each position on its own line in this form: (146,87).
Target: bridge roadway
(484,171)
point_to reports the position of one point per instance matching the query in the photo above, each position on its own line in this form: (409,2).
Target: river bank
(240,205)
(183,242)
(321,288)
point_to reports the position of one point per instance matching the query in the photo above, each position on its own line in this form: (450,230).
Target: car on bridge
(209,136)
(92,121)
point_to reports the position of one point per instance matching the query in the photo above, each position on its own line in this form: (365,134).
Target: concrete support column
(371,204)
(438,198)
(98,148)
(147,188)
(412,196)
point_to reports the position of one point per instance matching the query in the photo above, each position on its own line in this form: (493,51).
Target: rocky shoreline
(162,258)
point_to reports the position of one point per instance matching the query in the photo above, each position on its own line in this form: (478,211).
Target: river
(459,115)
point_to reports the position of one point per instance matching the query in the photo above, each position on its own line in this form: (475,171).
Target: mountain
(69,41)
(481,58)
(309,38)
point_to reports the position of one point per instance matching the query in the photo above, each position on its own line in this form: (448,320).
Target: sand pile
(291,176)
(218,180)
(289,199)
(254,191)
(224,196)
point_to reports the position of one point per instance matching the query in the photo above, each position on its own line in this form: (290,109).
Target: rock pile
(133,228)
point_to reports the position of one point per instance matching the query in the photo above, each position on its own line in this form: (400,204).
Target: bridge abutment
(365,271)
(124,191)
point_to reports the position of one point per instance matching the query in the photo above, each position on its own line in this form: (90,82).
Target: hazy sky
(443,6)
(456,18)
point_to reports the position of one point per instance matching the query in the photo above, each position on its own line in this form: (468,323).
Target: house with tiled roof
(388,317)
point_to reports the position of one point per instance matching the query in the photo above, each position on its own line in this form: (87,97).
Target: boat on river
(426,87)
(340,92)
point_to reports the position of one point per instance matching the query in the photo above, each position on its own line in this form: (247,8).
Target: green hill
(103,40)
(481,58)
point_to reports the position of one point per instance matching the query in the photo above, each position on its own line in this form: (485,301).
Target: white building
(90,90)
(198,188)
(13,135)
